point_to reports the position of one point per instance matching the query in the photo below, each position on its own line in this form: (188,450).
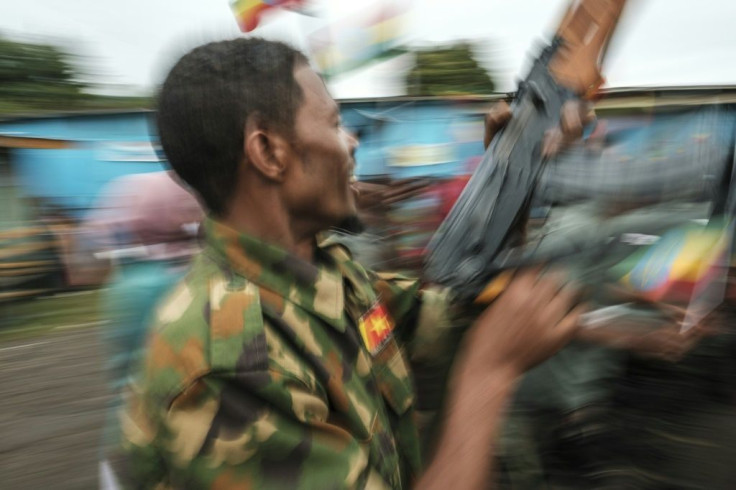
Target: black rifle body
(464,252)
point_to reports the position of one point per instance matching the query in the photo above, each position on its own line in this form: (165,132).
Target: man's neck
(271,224)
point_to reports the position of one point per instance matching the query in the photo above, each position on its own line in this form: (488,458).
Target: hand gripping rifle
(471,246)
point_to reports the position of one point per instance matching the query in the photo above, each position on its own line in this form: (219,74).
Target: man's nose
(353,140)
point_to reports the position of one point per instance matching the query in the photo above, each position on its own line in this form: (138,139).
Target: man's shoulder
(204,324)
(183,310)
(341,247)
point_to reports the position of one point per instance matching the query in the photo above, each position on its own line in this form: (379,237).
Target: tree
(449,70)
(41,78)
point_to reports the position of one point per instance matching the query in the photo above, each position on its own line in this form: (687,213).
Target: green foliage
(449,70)
(41,78)
(35,76)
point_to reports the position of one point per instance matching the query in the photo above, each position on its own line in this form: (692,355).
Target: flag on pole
(681,264)
(248,12)
(360,39)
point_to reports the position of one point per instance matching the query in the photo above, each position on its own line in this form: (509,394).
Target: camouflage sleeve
(257,429)
(226,403)
(425,317)
(136,462)
(429,326)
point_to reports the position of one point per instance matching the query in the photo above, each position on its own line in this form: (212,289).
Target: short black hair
(206,99)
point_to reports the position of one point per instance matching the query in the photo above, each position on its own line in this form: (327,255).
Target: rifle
(471,246)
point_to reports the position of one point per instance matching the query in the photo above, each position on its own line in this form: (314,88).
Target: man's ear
(265,149)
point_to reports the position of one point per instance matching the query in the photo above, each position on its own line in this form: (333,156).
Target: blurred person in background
(673,415)
(148,224)
(370,235)
(634,402)
(278,361)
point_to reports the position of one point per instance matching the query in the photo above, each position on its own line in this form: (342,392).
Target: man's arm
(465,451)
(529,322)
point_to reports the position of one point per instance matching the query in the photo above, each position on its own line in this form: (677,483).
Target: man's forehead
(316,95)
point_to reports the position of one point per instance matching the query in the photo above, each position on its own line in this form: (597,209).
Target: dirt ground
(53,398)
(51,409)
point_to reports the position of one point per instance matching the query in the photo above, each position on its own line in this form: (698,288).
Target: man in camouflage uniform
(280,363)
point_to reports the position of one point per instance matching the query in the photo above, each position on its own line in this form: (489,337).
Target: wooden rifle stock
(585,31)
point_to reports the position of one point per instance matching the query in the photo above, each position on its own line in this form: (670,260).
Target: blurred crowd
(634,210)
(633,402)
(638,410)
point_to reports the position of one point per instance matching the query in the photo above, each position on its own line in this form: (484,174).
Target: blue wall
(414,139)
(396,138)
(103,147)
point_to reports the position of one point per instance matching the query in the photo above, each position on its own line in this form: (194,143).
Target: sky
(128,46)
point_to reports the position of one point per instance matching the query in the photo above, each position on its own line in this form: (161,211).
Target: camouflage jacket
(265,371)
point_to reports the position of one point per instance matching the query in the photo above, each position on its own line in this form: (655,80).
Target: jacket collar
(316,287)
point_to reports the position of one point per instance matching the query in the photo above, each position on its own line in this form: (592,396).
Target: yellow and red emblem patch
(375,328)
